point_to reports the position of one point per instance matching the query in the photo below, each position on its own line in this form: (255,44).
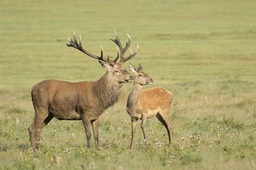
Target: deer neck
(106,91)
(132,101)
(136,90)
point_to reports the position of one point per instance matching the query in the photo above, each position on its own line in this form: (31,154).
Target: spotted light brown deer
(143,104)
(85,100)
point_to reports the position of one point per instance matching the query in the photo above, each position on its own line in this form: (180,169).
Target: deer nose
(150,81)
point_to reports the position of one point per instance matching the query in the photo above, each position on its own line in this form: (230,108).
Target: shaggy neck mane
(107,92)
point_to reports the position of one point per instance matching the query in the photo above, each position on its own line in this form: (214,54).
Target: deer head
(114,67)
(141,78)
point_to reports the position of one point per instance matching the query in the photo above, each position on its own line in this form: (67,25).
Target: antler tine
(117,55)
(128,43)
(123,49)
(117,41)
(78,45)
(101,51)
(130,56)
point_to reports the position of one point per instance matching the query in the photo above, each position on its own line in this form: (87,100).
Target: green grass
(202,51)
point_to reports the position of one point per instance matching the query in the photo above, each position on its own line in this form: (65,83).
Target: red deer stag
(84,101)
(143,104)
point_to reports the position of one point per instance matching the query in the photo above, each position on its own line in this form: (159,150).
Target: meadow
(202,51)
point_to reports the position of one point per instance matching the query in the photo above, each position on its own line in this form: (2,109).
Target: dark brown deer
(84,101)
(143,104)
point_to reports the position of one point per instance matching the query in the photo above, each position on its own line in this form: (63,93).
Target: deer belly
(64,114)
(68,116)
(153,112)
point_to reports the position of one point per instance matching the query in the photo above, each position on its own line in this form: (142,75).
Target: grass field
(202,51)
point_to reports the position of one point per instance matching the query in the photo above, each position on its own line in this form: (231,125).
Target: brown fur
(143,104)
(150,99)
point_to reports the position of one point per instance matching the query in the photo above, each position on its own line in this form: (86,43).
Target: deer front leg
(87,130)
(96,133)
(134,120)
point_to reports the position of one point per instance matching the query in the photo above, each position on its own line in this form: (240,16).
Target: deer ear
(132,68)
(139,67)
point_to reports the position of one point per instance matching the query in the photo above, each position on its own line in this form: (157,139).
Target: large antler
(124,49)
(78,45)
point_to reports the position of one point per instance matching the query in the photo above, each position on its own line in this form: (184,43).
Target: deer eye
(117,71)
(140,75)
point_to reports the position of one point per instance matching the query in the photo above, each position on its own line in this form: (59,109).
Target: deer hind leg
(96,132)
(42,118)
(40,127)
(31,130)
(163,118)
(134,121)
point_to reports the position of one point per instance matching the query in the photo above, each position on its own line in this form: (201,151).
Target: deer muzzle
(129,78)
(150,81)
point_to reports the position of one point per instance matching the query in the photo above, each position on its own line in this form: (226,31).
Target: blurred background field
(202,51)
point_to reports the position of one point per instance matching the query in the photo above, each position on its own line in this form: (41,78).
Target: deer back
(153,98)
